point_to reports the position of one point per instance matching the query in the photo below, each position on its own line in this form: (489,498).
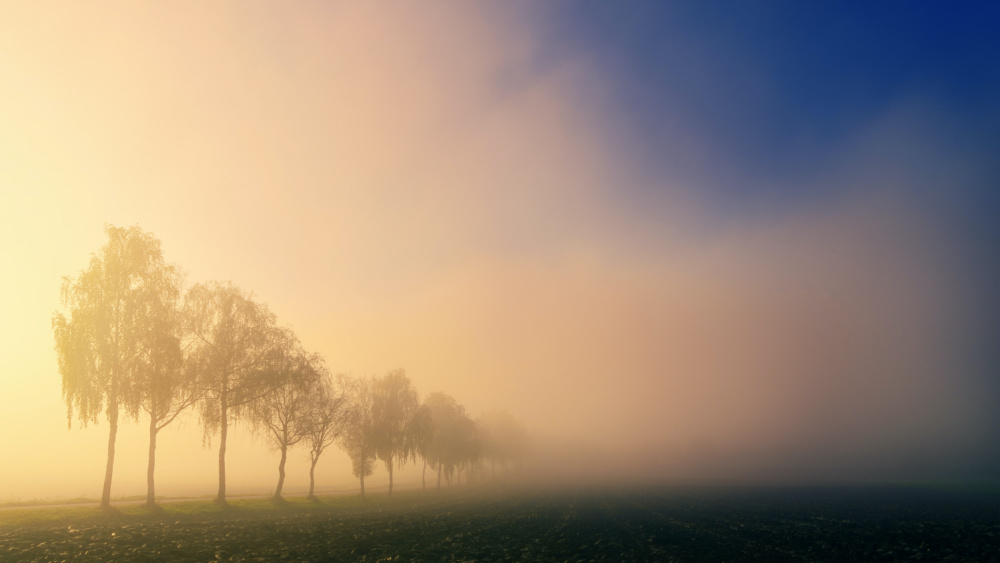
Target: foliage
(358,439)
(454,443)
(116,325)
(118,345)
(394,402)
(503,438)
(282,416)
(236,350)
(328,412)
(235,344)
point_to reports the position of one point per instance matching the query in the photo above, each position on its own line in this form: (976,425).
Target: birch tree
(328,412)
(166,388)
(233,340)
(283,415)
(358,439)
(394,401)
(106,341)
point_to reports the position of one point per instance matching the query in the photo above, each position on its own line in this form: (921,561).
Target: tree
(358,439)
(503,438)
(422,434)
(108,339)
(395,401)
(234,342)
(283,415)
(453,441)
(165,388)
(328,410)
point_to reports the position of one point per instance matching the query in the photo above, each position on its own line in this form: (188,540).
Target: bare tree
(395,401)
(283,415)
(358,439)
(107,341)
(328,411)
(235,341)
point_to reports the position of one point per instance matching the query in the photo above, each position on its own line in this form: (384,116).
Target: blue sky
(778,88)
(791,104)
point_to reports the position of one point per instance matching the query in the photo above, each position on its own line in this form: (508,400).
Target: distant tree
(358,438)
(283,415)
(328,411)
(453,439)
(422,435)
(235,341)
(110,339)
(166,388)
(395,401)
(503,439)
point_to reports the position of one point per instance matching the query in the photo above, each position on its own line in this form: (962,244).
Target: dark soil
(857,524)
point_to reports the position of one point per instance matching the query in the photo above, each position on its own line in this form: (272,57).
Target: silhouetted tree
(503,439)
(234,339)
(422,434)
(453,439)
(358,439)
(395,401)
(109,339)
(328,411)
(283,415)
(166,388)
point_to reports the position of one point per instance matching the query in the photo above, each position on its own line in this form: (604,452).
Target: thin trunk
(439,475)
(390,476)
(224,424)
(109,470)
(362,485)
(150,489)
(281,472)
(423,476)
(312,474)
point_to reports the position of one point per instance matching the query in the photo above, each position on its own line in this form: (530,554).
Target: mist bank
(561,463)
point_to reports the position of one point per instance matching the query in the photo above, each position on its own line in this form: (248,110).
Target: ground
(490,524)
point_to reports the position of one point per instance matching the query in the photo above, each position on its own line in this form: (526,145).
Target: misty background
(683,242)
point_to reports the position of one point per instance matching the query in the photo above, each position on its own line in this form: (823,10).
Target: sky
(690,240)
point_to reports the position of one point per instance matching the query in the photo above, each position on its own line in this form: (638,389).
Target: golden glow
(405,189)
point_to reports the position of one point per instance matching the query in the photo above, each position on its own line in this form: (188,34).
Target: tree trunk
(362,486)
(312,475)
(150,489)
(390,477)
(439,475)
(423,476)
(281,471)
(224,429)
(109,470)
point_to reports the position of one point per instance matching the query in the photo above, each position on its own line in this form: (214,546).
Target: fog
(428,187)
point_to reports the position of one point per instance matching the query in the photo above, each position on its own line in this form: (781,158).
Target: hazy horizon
(672,255)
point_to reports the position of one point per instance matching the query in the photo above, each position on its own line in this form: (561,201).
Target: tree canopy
(117,336)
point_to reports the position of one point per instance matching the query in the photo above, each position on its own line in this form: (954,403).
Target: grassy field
(490,524)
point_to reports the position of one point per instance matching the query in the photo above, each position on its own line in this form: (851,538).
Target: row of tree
(133,343)
(389,424)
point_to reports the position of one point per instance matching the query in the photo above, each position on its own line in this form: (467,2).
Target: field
(736,524)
